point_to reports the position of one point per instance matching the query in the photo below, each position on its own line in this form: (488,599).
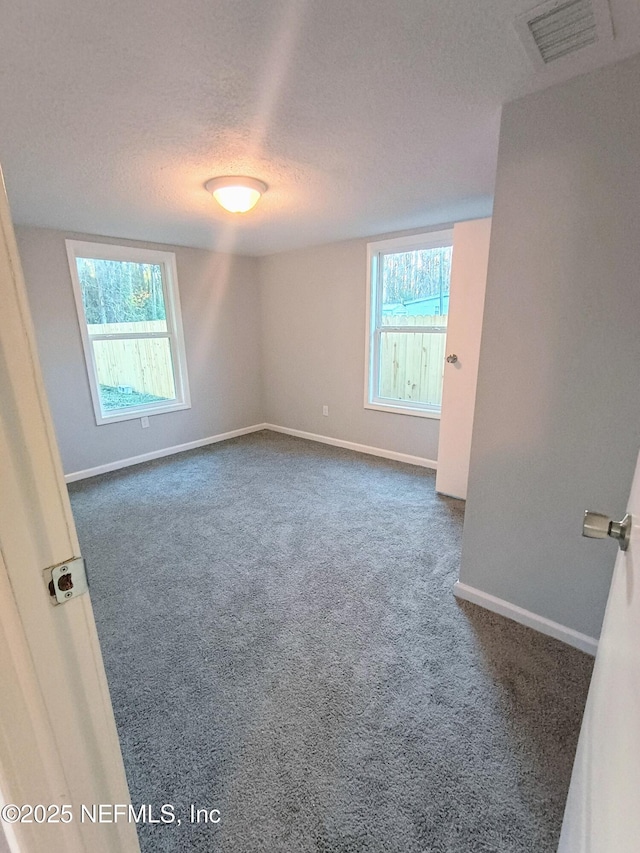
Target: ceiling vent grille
(561,27)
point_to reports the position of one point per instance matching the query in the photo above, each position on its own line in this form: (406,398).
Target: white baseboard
(157,454)
(359,448)
(526,617)
(223,436)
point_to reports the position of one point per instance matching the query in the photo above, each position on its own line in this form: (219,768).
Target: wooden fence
(412,365)
(142,364)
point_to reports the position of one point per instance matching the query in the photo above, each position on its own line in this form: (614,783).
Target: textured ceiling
(363,116)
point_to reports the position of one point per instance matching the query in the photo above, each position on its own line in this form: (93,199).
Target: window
(129,313)
(407,308)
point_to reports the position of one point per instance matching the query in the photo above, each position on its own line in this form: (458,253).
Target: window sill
(397,409)
(139,412)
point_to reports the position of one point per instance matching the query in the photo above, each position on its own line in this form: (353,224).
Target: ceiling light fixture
(236,194)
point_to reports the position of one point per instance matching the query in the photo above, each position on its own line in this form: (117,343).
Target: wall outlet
(325,411)
(144,422)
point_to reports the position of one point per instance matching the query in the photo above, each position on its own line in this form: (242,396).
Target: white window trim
(428,240)
(113,252)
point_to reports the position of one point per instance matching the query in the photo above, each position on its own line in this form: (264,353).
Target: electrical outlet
(325,411)
(144,422)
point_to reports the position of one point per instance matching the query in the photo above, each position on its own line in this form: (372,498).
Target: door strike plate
(66,580)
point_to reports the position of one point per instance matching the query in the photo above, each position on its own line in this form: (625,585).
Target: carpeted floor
(282,644)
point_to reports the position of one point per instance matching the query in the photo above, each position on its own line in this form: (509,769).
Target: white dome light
(236,194)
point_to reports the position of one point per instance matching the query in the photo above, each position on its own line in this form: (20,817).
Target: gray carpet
(282,643)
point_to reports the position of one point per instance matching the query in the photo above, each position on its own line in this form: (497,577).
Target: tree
(420,274)
(120,291)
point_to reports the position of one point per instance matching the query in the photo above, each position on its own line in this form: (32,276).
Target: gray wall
(220,308)
(557,423)
(313,333)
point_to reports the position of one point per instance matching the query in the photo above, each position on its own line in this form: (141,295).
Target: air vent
(561,27)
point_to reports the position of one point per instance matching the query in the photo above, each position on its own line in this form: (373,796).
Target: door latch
(66,580)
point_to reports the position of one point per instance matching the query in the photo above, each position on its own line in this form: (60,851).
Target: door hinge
(66,580)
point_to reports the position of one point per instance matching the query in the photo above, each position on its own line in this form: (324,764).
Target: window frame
(174,333)
(372,400)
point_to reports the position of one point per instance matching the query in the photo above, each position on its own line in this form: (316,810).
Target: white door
(466,306)
(603,807)
(58,743)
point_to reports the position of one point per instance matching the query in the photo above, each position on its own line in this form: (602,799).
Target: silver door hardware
(598,526)
(66,580)
(452,358)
